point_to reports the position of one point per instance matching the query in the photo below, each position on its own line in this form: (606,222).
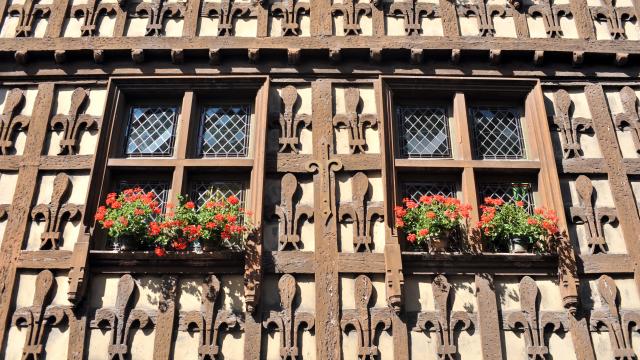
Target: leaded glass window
(498,133)
(224,131)
(508,192)
(414,190)
(159,188)
(151,131)
(204,191)
(424,132)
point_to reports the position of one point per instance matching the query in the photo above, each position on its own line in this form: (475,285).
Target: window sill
(468,264)
(219,262)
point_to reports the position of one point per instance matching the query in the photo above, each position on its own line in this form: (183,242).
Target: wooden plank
(488,323)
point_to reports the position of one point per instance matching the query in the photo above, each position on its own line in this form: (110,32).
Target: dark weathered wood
(488,322)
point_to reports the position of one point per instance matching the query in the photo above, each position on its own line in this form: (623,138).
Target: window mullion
(182,143)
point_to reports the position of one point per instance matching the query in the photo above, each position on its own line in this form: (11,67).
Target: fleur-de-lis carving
(74,123)
(289,122)
(614,16)
(365,321)
(290,214)
(209,320)
(28,13)
(92,12)
(551,14)
(411,12)
(39,317)
(619,324)
(291,11)
(325,166)
(484,15)
(55,213)
(351,11)
(355,123)
(157,11)
(443,320)
(287,321)
(533,321)
(569,127)
(629,119)
(121,319)
(362,214)
(593,218)
(11,121)
(226,11)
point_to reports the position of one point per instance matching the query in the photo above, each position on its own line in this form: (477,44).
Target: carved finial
(628,119)
(11,121)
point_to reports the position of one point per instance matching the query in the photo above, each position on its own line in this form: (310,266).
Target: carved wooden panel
(11,121)
(551,14)
(226,11)
(412,12)
(614,16)
(92,12)
(28,13)
(74,123)
(569,127)
(351,11)
(289,122)
(290,213)
(156,12)
(628,120)
(355,122)
(361,212)
(291,11)
(484,13)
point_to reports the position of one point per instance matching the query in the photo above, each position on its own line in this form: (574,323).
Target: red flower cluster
(127,213)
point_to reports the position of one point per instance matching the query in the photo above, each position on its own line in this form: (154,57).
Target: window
(151,131)
(498,134)
(225,131)
(203,191)
(424,132)
(508,191)
(415,190)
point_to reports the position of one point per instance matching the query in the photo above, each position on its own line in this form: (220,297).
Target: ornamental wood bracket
(56,214)
(356,123)
(74,123)
(291,11)
(121,319)
(551,14)
(39,317)
(290,214)
(325,166)
(157,11)
(362,213)
(11,121)
(443,320)
(364,320)
(209,321)
(593,218)
(619,324)
(412,12)
(79,270)
(93,12)
(533,321)
(614,16)
(568,126)
(351,11)
(484,14)
(27,14)
(290,123)
(628,119)
(287,321)
(226,11)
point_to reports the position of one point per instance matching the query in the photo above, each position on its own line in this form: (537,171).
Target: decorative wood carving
(226,11)
(325,166)
(362,213)
(291,11)
(78,270)
(92,12)
(411,12)
(629,119)
(168,292)
(592,217)
(28,13)
(364,320)
(287,321)
(121,319)
(551,14)
(4,211)
(74,123)
(39,317)
(483,13)
(351,11)
(569,126)
(56,213)
(290,122)
(209,321)
(619,324)
(443,320)
(157,11)
(11,121)
(532,321)
(355,123)
(614,16)
(290,214)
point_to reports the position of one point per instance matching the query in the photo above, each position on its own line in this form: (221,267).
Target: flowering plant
(431,216)
(128,213)
(501,222)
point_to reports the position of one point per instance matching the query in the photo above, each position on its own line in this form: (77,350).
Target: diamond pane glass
(225,131)
(202,192)
(424,132)
(509,192)
(159,188)
(151,131)
(498,134)
(415,190)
